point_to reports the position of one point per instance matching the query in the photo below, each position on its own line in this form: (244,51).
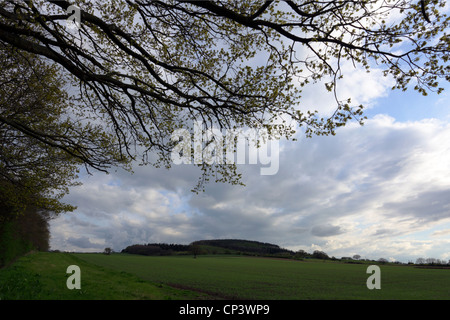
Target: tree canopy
(43,141)
(143,69)
(31,173)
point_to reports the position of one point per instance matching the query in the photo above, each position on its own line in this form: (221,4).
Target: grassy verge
(42,276)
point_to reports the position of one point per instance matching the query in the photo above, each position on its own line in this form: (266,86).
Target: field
(123,276)
(42,276)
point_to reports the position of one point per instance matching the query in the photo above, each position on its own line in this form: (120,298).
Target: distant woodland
(260,249)
(221,246)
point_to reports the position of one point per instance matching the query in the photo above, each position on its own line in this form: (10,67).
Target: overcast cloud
(381,190)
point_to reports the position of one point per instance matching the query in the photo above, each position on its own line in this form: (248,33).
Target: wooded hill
(240,246)
(218,246)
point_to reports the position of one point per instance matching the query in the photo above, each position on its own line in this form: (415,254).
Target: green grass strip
(42,276)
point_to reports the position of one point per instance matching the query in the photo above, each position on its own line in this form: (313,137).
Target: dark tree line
(255,247)
(152,249)
(23,233)
(33,175)
(235,246)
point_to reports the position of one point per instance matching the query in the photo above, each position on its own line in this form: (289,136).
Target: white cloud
(376,190)
(362,87)
(373,190)
(441,233)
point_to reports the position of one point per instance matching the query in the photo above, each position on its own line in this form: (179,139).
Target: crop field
(43,276)
(241,277)
(124,276)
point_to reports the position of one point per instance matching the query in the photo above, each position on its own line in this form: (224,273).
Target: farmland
(125,276)
(42,276)
(264,278)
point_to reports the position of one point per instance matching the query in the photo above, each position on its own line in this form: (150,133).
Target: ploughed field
(124,276)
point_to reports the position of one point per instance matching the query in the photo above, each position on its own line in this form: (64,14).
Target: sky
(381,190)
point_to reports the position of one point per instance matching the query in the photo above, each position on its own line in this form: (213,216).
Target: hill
(217,246)
(240,246)
(156,249)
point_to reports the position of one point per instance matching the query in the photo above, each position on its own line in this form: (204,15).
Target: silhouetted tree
(301,253)
(420,261)
(320,255)
(195,249)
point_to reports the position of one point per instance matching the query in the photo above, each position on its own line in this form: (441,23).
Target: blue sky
(413,106)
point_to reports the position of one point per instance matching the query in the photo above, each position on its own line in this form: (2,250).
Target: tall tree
(42,145)
(147,68)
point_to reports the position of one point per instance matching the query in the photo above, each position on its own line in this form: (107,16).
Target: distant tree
(195,249)
(383,260)
(142,249)
(320,255)
(107,251)
(356,257)
(420,261)
(301,253)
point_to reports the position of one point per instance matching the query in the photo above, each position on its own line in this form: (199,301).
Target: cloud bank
(380,190)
